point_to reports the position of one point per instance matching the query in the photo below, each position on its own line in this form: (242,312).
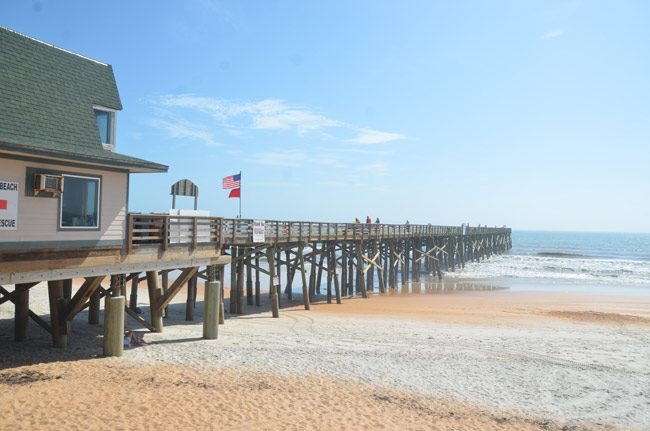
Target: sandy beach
(479,359)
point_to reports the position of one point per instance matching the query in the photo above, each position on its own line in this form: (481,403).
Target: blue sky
(530,114)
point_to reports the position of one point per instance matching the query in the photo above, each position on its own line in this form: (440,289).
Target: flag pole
(240,195)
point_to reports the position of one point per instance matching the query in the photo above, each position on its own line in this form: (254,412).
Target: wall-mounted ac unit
(45,183)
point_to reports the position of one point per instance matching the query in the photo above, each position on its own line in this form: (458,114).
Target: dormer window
(106,126)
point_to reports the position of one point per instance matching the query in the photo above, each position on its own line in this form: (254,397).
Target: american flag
(232,182)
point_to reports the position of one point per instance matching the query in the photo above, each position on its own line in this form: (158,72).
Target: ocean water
(612,259)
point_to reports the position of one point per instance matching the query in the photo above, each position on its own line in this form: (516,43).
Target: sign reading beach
(8,205)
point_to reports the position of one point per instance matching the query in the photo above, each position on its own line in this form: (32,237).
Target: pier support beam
(211,301)
(155,293)
(114,326)
(59,332)
(274,285)
(21,302)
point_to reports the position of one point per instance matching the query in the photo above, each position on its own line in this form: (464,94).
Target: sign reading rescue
(8,205)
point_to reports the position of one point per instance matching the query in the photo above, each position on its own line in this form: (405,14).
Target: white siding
(38,217)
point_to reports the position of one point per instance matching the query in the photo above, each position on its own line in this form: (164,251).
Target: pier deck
(344,259)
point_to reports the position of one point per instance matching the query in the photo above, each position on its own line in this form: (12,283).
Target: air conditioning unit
(45,183)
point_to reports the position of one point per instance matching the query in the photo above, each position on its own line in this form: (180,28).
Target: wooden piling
(93,308)
(21,303)
(320,269)
(164,275)
(344,269)
(273,288)
(133,298)
(360,277)
(240,284)
(232,307)
(335,276)
(257,280)
(211,304)
(221,271)
(67,289)
(249,280)
(305,287)
(155,293)
(191,298)
(114,325)
(55,293)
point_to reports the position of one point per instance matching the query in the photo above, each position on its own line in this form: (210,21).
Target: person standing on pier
(377,221)
(368,220)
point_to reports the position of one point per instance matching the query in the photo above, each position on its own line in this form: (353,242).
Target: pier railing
(167,231)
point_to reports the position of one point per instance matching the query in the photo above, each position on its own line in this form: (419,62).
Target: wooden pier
(328,261)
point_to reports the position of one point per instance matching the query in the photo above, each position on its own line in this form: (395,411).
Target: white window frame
(99,205)
(112,118)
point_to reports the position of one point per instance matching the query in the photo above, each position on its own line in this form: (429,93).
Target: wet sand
(479,359)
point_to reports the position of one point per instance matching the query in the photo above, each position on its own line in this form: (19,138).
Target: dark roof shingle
(46,102)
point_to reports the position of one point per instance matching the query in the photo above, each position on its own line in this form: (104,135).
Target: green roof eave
(100,157)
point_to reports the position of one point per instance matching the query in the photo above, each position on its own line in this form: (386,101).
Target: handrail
(165,231)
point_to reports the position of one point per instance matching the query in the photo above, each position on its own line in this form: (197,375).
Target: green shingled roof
(46,103)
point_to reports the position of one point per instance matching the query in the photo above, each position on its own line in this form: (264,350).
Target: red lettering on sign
(3,204)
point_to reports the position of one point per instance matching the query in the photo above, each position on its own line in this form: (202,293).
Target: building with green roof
(62,184)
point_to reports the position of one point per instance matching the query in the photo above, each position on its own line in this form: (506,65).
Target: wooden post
(344,269)
(240,284)
(249,281)
(67,289)
(385,270)
(330,274)
(278,272)
(350,280)
(55,292)
(319,277)
(290,272)
(155,293)
(133,299)
(312,273)
(114,325)
(275,304)
(233,281)
(368,273)
(164,274)
(360,278)
(221,271)
(211,303)
(93,308)
(406,268)
(21,303)
(257,280)
(191,298)
(335,276)
(305,287)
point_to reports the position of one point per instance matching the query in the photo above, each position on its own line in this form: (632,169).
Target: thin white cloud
(271,115)
(552,34)
(268,114)
(372,137)
(181,129)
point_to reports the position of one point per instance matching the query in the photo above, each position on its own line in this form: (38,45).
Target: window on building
(80,202)
(106,125)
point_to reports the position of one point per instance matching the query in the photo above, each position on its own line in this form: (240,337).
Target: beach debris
(24,377)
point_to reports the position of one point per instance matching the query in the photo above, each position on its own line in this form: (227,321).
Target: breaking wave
(560,266)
